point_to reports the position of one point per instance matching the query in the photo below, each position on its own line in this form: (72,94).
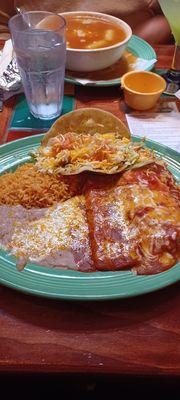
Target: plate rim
(93,297)
(152,282)
(116,81)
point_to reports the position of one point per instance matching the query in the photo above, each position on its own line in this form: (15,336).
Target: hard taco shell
(91,121)
(87,120)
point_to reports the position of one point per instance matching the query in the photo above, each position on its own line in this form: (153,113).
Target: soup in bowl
(94,40)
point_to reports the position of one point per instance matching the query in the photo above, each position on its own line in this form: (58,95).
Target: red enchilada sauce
(87,32)
(126,221)
(135,223)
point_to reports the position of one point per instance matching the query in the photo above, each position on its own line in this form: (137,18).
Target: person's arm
(155,30)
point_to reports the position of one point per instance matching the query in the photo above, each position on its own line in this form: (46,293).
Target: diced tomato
(101,154)
(62,142)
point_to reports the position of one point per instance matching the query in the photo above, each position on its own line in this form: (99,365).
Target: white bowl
(96,59)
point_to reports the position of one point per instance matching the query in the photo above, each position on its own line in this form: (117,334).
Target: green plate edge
(73,285)
(138,47)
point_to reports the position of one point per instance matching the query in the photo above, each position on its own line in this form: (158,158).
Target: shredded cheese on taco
(72,153)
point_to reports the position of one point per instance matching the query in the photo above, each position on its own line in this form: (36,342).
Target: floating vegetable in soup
(87,32)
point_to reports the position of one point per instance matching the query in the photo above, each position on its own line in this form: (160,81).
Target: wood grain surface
(133,337)
(138,336)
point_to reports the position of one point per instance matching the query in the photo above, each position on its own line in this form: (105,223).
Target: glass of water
(39,43)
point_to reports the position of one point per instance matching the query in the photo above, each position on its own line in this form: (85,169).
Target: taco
(87,120)
(89,139)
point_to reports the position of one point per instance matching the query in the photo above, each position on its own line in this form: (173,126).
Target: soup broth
(87,32)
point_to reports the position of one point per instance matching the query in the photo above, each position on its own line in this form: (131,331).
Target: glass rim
(40,31)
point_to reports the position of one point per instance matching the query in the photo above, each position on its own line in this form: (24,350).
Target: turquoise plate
(73,285)
(136,46)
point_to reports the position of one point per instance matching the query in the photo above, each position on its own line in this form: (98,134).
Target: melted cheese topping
(62,233)
(133,226)
(133,222)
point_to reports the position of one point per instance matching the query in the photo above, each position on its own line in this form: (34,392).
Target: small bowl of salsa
(94,40)
(142,89)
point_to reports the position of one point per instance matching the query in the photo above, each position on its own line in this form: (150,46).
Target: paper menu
(160,127)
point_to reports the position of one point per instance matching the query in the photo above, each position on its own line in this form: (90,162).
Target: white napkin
(140,64)
(6,56)
(10,80)
(177,94)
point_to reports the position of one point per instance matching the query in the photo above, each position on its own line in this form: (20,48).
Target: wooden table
(125,338)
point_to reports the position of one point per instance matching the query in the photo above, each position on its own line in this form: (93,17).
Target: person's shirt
(141,15)
(132,11)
